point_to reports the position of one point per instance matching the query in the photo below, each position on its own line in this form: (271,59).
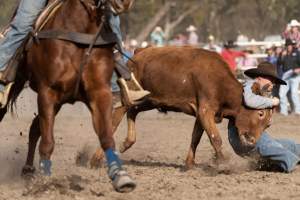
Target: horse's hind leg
(34,135)
(48,107)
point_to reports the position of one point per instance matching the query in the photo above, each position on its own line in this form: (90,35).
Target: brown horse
(52,68)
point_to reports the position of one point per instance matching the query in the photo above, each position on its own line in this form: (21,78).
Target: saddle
(107,37)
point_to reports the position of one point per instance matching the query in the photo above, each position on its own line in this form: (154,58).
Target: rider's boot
(4,93)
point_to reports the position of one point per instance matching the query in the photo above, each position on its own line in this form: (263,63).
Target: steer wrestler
(275,154)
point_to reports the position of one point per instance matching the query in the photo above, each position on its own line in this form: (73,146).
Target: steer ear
(256,89)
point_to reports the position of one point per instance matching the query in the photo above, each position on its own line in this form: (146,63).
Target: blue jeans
(281,152)
(292,86)
(20,27)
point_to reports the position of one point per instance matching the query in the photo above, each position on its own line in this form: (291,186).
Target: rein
(101,6)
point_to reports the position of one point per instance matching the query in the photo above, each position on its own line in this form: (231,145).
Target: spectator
(248,62)
(129,50)
(212,46)
(193,37)
(230,55)
(292,32)
(158,37)
(290,65)
(179,40)
(271,55)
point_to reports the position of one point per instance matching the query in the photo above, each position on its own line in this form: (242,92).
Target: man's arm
(255,101)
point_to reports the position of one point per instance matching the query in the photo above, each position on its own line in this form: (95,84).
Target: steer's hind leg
(131,117)
(196,136)
(207,118)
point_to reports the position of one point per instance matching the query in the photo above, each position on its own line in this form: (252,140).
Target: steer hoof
(45,167)
(123,183)
(28,170)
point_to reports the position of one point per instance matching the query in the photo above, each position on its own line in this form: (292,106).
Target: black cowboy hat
(289,42)
(230,44)
(265,69)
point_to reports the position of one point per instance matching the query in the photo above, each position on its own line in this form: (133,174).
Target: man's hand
(276,101)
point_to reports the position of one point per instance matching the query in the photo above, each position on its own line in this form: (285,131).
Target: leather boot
(4,94)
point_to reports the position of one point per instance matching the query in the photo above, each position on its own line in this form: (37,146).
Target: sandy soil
(156,162)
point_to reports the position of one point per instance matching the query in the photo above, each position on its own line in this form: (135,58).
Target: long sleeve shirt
(289,61)
(253,100)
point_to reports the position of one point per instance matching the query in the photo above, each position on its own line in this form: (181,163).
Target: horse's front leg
(48,107)
(100,105)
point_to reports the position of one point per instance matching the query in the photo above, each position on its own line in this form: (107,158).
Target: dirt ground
(156,162)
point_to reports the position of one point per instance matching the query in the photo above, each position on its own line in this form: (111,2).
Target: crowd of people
(285,58)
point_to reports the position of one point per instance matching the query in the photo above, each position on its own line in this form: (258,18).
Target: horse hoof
(123,183)
(28,170)
(45,167)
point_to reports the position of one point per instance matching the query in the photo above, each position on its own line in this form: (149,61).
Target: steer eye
(261,114)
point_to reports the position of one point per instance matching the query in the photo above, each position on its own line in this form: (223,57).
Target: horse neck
(72,16)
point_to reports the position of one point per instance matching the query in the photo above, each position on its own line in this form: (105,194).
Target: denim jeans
(292,86)
(284,153)
(21,25)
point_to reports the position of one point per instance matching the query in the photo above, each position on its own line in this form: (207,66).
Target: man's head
(290,45)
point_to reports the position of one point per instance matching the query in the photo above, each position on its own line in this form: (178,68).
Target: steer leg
(131,117)
(207,118)
(196,136)
(48,107)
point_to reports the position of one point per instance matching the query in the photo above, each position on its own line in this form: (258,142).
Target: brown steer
(196,82)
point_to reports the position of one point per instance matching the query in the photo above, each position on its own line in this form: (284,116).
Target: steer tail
(196,88)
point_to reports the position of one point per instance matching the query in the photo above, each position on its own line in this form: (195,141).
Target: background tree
(225,19)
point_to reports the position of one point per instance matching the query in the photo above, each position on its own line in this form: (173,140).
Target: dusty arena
(156,161)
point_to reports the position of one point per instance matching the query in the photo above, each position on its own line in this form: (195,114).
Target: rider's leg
(130,95)
(19,28)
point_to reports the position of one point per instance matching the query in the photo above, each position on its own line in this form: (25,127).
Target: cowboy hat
(265,69)
(158,29)
(294,22)
(230,44)
(191,28)
(289,42)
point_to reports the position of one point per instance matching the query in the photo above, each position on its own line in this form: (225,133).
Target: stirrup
(4,95)
(130,97)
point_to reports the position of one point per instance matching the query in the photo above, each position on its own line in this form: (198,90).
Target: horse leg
(98,156)
(48,107)
(34,135)
(100,105)
(207,118)
(196,136)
